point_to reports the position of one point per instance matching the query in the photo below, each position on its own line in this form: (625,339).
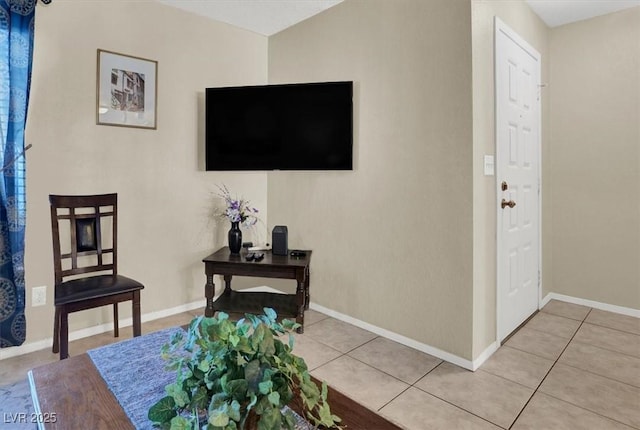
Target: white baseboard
(484,356)
(444,355)
(391,335)
(592,304)
(26,348)
(102,328)
(98,329)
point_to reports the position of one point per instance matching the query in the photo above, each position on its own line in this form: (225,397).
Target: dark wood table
(71,394)
(222,262)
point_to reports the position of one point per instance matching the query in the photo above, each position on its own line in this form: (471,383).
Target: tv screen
(280,127)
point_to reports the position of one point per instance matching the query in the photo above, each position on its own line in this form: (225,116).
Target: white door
(517,69)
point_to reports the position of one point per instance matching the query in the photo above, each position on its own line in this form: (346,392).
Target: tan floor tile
(338,335)
(315,354)
(402,362)
(538,343)
(553,324)
(15,369)
(615,321)
(196,312)
(610,364)
(608,338)
(567,310)
(416,410)
(601,395)
(518,366)
(312,317)
(363,383)
(80,346)
(599,371)
(483,394)
(546,412)
(180,319)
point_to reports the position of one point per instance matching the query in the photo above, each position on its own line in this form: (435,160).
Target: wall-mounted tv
(305,126)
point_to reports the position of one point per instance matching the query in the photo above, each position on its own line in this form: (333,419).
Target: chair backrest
(91,225)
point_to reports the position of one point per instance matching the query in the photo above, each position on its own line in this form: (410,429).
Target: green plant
(238,375)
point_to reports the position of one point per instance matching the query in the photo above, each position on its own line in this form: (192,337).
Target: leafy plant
(238,375)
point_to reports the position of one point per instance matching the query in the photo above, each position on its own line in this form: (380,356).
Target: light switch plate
(39,296)
(489,165)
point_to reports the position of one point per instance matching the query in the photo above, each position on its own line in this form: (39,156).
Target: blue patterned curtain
(16,49)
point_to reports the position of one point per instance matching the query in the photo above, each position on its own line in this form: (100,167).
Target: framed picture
(126,90)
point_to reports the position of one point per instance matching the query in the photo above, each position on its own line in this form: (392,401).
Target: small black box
(279,240)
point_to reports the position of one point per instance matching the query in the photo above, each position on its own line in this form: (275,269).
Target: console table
(222,262)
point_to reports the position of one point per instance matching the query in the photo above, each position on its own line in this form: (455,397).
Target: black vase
(235,238)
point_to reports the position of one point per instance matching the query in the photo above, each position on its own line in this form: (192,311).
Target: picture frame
(126,90)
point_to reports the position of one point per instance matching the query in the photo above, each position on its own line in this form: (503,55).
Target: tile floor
(569,367)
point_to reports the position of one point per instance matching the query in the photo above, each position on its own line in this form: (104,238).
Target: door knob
(509,203)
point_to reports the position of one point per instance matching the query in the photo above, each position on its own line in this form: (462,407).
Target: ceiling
(265,17)
(268,17)
(560,12)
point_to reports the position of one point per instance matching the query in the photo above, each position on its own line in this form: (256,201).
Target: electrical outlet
(39,296)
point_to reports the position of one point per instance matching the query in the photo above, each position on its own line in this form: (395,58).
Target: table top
(224,256)
(74,390)
(64,391)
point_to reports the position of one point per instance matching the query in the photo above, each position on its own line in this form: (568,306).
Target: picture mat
(107,61)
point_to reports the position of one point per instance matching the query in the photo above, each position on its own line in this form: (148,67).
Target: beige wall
(595,128)
(518,16)
(165,198)
(405,241)
(392,239)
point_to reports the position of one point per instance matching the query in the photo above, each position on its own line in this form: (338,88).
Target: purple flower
(237,210)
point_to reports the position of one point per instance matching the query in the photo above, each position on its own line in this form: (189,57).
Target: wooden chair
(86,266)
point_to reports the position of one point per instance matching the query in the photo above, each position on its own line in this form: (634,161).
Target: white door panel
(517,68)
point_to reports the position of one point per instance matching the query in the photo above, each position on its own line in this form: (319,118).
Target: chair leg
(116,331)
(137,323)
(56,332)
(64,334)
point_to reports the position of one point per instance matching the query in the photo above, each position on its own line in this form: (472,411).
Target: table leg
(209,290)
(300,299)
(306,287)
(227,283)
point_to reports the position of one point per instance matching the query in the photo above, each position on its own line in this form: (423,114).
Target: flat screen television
(305,126)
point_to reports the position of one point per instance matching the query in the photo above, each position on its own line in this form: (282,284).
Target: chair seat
(93,287)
